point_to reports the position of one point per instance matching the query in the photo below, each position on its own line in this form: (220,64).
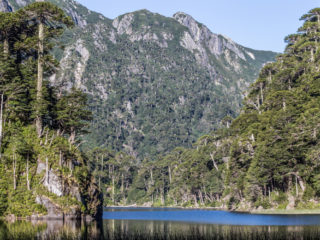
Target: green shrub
(308,194)
(280,198)
(263,202)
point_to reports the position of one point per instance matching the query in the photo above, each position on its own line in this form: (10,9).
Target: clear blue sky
(258,24)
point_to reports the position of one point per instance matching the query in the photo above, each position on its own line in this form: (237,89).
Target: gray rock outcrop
(4,6)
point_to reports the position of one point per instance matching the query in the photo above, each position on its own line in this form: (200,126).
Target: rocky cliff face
(154,82)
(4,6)
(66,198)
(202,39)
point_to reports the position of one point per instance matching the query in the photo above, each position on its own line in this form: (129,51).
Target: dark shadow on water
(53,229)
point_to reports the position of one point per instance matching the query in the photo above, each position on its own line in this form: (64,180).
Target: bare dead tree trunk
(6,47)
(28,182)
(46,140)
(214,162)
(201,197)
(289,182)
(72,137)
(270,77)
(252,138)
(261,93)
(269,195)
(297,190)
(47,171)
(299,181)
(122,183)
(60,159)
(170,178)
(151,176)
(101,171)
(195,200)
(40,77)
(113,192)
(14,172)
(162,197)
(99,182)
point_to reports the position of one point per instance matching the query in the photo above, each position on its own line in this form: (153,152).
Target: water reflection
(131,229)
(137,229)
(210,217)
(49,230)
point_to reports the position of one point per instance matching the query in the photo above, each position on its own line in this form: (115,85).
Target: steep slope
(268,157)
(155,82)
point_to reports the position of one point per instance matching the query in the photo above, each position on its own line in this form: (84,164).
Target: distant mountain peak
(144,10)
(188,21)
(183,16)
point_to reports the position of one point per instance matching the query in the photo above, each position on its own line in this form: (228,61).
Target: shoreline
(286,212)
(172,207)
(254,212)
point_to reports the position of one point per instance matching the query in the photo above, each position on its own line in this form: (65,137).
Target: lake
(164,223)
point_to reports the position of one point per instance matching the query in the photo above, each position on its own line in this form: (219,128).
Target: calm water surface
(161,223)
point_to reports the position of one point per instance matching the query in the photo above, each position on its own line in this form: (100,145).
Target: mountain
(154,82)
(267,158)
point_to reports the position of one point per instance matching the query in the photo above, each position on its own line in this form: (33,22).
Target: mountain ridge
(154,83)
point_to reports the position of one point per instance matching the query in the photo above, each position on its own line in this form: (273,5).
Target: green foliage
(22,203)
(308,194)
(3,192)
(23,151)
(72,115)
(114,173)
(280,198)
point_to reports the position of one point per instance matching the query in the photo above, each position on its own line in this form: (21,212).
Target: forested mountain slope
(268,158)
(154,82)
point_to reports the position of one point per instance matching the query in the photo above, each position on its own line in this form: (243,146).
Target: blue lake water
(210,217)
(169,224)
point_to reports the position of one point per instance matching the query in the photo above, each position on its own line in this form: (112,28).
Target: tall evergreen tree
(72,114)
(50,21)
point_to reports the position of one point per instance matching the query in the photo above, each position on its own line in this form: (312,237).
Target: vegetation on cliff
(41,166)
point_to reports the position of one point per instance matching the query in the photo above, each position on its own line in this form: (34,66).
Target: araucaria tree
(49,21)
(72,115)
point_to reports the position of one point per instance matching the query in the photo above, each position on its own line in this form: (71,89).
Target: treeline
(267,157)
(39,123)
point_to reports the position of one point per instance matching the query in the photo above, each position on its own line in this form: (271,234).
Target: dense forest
(42,170)
(267,157)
